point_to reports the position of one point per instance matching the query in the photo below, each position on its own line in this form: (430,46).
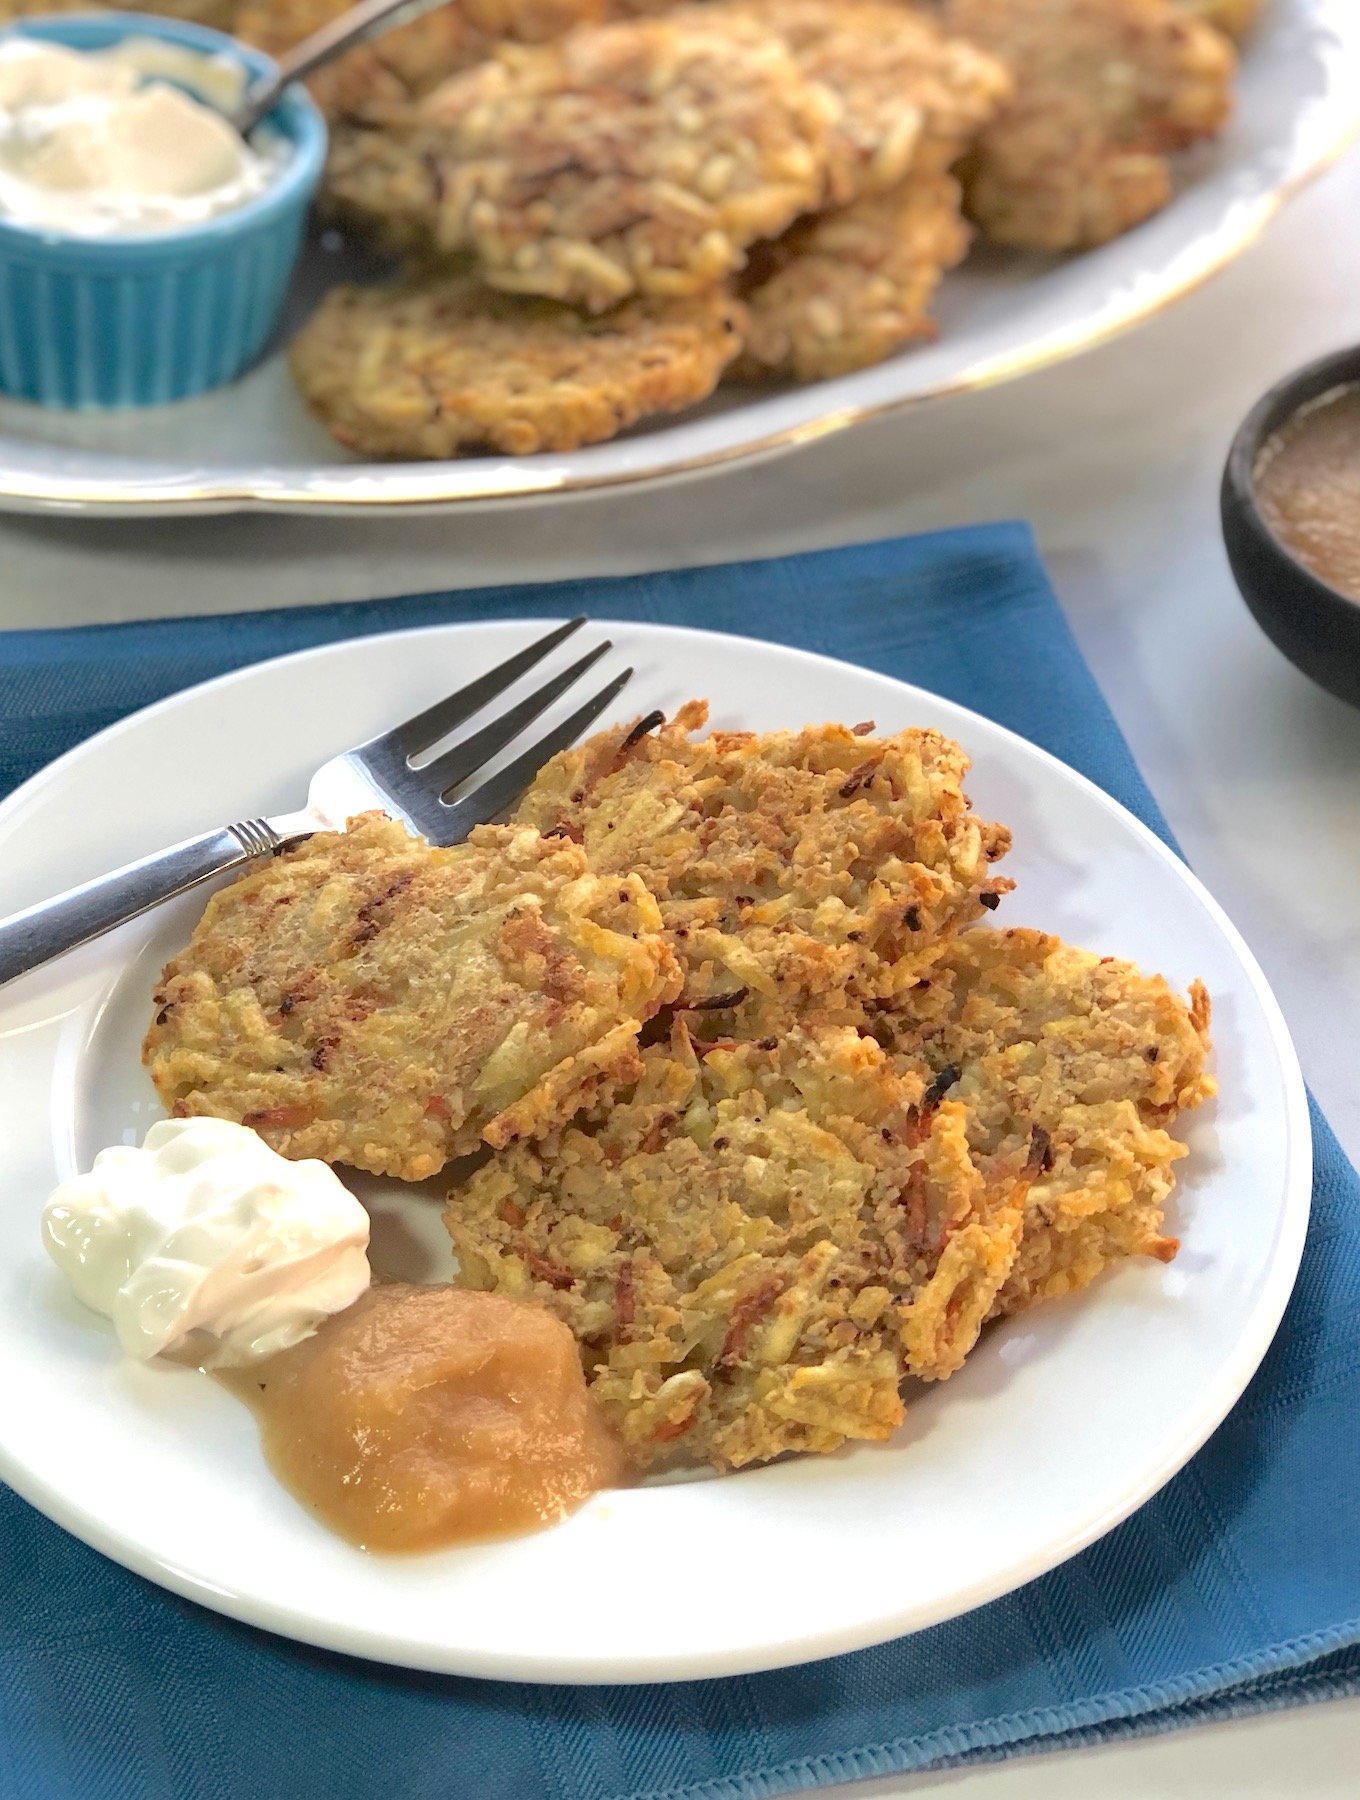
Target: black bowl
(1317,628)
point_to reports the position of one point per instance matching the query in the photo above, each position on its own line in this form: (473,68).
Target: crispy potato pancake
(1081,1055)
(752,1244)
(844,289)
(437,364)
(635,158)
(367,999)
(909,98)
(1104,89)
(818,869)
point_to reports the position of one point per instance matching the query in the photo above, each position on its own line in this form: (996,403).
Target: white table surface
(1115,460)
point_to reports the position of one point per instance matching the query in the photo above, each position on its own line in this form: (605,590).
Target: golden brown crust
(756,1241)
(753,1244)
(641,157)
(1104,89)
(1078,1057)
(438,364)
(369,1000)
(814,869)
(908,97)
(845,289)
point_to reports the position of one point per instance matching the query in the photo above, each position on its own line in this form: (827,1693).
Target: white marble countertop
(1115,460)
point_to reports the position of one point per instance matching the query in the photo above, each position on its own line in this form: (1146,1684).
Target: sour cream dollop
(205,1229)
(100,144)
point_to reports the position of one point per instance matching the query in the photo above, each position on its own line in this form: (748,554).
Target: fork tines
(423,730)
(393,756)
(497,793)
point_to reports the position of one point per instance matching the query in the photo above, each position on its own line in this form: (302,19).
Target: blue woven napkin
(1237,1588)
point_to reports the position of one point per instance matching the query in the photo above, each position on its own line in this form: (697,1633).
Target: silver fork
(381,773)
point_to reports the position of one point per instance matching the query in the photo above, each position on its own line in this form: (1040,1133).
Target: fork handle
(33,937)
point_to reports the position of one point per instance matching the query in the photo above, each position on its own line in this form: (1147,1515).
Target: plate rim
(363,490)
(369,1641)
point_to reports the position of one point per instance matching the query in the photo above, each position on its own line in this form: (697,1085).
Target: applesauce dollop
(1307,481)
(426,1416)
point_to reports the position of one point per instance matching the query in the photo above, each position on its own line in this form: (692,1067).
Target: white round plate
(1061,1423)
(253,447)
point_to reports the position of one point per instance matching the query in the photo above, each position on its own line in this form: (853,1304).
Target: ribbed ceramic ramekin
(140,320)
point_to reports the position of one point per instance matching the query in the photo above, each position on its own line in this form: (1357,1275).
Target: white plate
(252,446)
(1060,1424)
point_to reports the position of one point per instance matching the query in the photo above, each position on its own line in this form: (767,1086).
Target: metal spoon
(371,18)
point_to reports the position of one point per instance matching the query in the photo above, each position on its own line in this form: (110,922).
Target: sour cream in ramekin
(108,143)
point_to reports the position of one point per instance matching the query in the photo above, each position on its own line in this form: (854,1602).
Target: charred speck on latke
(814,870)
(1082,1055)
(367,999)
(754,1244)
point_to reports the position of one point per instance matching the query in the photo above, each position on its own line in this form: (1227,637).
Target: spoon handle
(369,19)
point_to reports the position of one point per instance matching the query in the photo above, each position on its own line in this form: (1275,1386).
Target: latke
(437,364)
(845,289)
(1104,90)
(636,158)
(909,98)
(754,1245)
(796,871)
(1096,1058)
(366,999)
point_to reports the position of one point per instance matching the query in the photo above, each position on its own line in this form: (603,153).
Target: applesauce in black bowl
(1291,519)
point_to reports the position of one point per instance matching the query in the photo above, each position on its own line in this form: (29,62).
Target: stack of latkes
(602,217)
(773,1111)
(869,1124)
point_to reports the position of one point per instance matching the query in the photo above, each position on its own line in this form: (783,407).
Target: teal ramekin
(141,320)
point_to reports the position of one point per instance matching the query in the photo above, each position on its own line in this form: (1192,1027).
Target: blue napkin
(1237,1588)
